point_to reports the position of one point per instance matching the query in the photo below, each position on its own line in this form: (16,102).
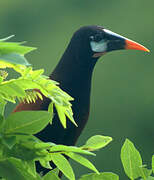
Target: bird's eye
(96,38)
(92,38)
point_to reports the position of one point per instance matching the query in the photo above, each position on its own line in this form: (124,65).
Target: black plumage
(74,73)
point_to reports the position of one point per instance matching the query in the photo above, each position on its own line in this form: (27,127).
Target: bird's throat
(75,79)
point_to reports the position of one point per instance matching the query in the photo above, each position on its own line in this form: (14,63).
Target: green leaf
(1,79)
(57,100)
(64,148)
(145,173)
(55,171)
(2,108)
(14,47)
(131,160)
(43,145)
(9,141)
(14,58)
(31,167)
(35,74)
(69,114)
(25,152)
(50,110)
(153,163)
(51,176)
(2,122)
(45,163)
(61,114)
(14,169)
(101,176)
(63,165)
(82,160)
(27,84)
(17,88)
(13,90)
(12,87)
(148,178)
(29,122)
(97,142)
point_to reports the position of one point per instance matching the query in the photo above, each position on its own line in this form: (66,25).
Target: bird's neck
(74,74)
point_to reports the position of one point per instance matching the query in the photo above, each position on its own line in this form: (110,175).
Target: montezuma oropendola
(74,73)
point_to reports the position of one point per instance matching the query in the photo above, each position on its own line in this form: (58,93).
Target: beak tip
(148,50)
(145,49)
(136,46)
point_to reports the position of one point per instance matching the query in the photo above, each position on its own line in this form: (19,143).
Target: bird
(74,73)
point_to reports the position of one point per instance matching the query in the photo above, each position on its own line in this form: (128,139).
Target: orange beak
(129,44)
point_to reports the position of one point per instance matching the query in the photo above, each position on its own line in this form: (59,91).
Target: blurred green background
(122,99)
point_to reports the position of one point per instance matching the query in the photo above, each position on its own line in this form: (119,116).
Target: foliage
(20,149)
(101,176)
(132,162)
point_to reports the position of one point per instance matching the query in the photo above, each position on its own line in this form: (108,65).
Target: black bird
(74,73)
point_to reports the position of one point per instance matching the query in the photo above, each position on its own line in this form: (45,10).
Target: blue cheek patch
(100,46)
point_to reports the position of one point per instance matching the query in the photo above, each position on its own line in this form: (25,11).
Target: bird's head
(95,41)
